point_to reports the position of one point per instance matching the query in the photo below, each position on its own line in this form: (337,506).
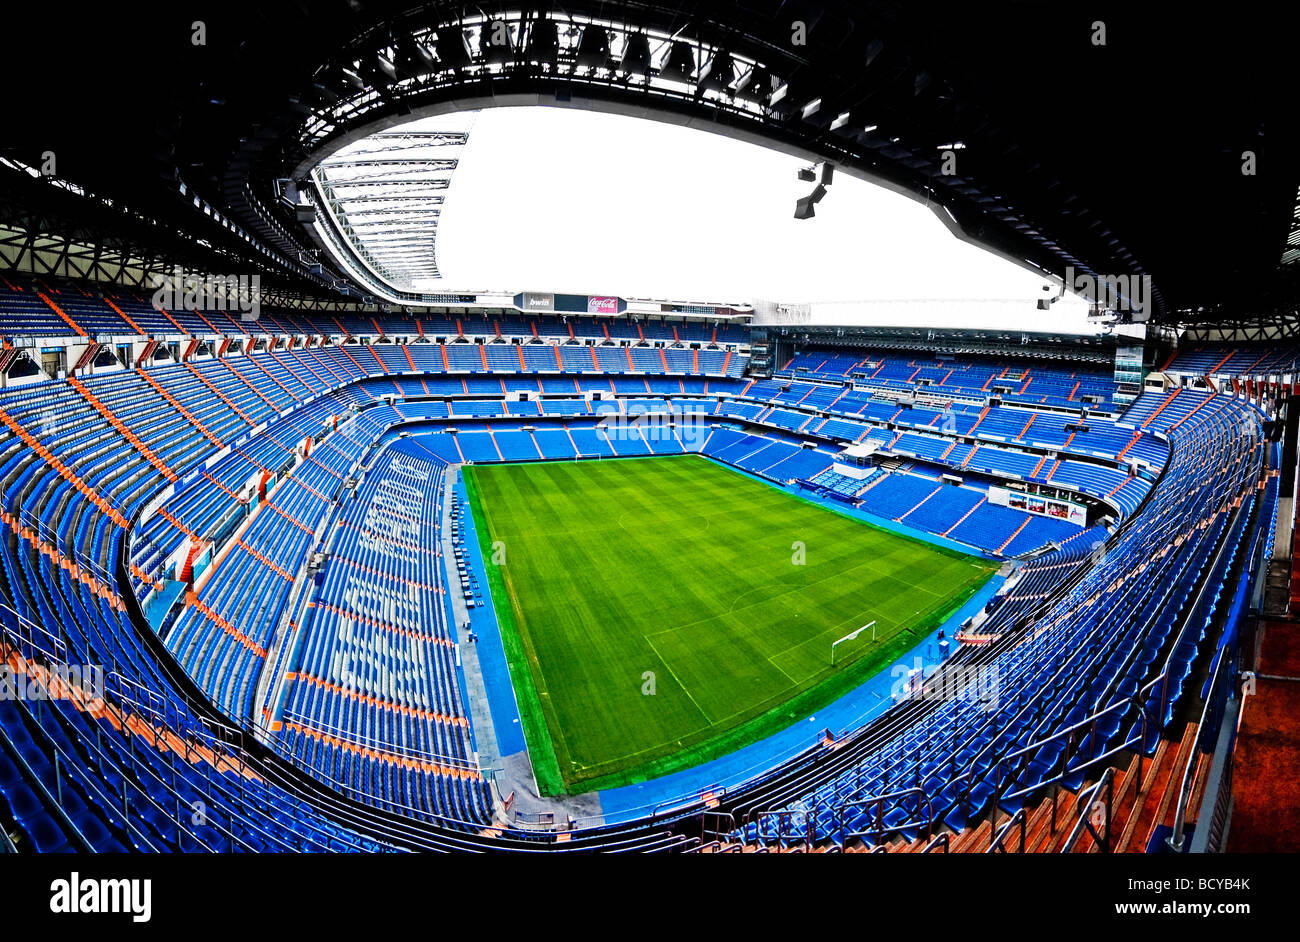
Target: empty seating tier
(249,551)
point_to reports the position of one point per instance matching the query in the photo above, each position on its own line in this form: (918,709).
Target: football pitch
(660,612)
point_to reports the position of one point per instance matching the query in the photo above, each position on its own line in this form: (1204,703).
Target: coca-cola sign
(596,305)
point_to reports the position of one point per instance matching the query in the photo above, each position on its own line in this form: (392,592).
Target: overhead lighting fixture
(353,78)
(755,85)
(414,57)
(543,42)
(453,53)
(717,75)
(680,65)
(793,98)
(495,53)
(383,72)
(593,48)
(636,55)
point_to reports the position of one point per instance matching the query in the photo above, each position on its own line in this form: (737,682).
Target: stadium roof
(1110,158)
(383,195)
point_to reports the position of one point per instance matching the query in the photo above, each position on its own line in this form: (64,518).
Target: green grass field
(676,567)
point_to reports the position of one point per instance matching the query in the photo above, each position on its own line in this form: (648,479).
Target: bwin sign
(75,895)
(1128,293)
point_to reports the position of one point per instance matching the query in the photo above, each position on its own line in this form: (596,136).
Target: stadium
(318,538)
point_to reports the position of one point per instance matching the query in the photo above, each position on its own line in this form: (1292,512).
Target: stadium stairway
(1266,811)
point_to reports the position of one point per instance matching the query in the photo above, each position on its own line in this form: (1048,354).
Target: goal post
(851,635)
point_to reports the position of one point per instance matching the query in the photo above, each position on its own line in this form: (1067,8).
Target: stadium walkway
(1266,791)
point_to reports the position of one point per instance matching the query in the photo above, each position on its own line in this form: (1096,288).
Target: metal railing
(256,795)
(879,828)
(1087,802)
(1217,693)
(998,844)
(1146,721)
(940,845)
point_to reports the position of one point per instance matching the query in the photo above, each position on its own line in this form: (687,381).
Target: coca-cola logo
(602,305)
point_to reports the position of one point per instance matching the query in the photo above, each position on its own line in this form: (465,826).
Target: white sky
(564,200)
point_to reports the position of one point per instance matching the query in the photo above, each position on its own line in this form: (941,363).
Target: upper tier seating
(970,377)
(1270,359)
(31,306)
